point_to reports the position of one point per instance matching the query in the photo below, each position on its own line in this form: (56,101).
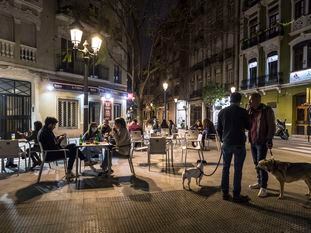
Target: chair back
(157,145)
(136,135)
(9,149)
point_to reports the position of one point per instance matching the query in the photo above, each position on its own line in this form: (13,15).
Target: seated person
(122,142)
(36,160)
(172,127)
(50,142)
(197,126)
(91,135)
(134,126)
(208,131)
(105,128)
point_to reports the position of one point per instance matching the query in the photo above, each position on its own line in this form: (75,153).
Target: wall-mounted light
(175,100)
(108,96)
(151,104)
(233,89)
(50,87)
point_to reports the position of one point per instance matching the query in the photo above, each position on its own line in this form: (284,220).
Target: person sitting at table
(172,127)
(197,126)
(50,142)
(134,126)
(122,143)
(208,131)
(105,128)
(36,160)
(92,134)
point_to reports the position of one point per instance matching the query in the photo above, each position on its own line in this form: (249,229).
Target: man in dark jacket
(232,123)
(261,133)
(50,142)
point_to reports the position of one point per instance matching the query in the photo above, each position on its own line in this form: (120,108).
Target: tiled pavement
(151,202)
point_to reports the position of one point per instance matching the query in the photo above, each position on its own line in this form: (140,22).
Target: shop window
(299,8)
(67,113)
(272,64)
(116,111)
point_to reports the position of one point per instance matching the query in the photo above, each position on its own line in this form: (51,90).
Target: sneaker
(262,192)
(254,186)
(89,163)
(241,199)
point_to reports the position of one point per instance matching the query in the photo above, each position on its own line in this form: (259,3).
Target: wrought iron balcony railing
(262,81)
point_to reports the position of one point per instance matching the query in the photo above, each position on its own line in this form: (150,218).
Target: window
(253,26)
(230,79)
(274,16)
(299,8)
(7,27)
(28,34)
(299,56)
(116,111)
(67,113)
(102,72)
(117,74)
(272,65)
(252,71)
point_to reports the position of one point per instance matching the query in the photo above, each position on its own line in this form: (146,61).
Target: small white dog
(196,173)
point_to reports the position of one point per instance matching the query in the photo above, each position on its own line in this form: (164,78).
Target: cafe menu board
(107,110)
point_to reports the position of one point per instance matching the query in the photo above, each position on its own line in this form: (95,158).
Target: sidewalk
(152,202)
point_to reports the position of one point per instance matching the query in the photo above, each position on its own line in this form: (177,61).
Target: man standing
(261,133)
(232,123)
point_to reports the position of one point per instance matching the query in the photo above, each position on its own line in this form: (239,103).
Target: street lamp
(232,89)
(76,36)
(165,86)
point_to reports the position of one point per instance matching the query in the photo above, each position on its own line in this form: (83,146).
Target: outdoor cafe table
(101,145)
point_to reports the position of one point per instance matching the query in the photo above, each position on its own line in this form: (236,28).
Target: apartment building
(274,57)
(213,54)
(40,75)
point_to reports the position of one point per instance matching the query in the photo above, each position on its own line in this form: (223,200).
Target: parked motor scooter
(281,130)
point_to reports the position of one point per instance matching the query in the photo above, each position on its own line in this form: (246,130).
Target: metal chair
(10,149)
(45,153)
(193,141)
(157,145)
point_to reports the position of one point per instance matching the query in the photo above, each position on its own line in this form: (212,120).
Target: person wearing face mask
(122,140)
(91,135)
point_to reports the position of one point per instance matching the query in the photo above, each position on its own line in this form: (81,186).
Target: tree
(212,93)
(136,27)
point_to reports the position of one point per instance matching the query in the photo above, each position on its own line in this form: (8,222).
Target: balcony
(302,23)
(263,36)
(196,93)
(249,3)
(262,81)
(28,54)
(7,48)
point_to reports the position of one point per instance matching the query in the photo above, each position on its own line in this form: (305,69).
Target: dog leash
(216,165)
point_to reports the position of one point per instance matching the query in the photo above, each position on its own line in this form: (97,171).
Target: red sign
(107,110)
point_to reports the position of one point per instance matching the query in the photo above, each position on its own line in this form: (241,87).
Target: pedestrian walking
(232,123)
(262,130)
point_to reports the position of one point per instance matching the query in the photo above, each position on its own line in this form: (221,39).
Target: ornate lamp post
(76,35)
(165,86)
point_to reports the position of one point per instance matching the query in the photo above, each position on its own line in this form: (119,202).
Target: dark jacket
(34,137)
(266,126)
(232,123)
(48,139)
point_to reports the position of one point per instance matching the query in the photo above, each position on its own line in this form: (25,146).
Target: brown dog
(286,172)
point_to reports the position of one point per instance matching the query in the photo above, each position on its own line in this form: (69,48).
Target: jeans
(239,153)
(259,152)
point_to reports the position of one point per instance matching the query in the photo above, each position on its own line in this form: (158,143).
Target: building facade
(274,58)
(40,74)
(213,53)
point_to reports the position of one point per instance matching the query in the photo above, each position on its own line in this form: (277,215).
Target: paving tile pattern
(173,211)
